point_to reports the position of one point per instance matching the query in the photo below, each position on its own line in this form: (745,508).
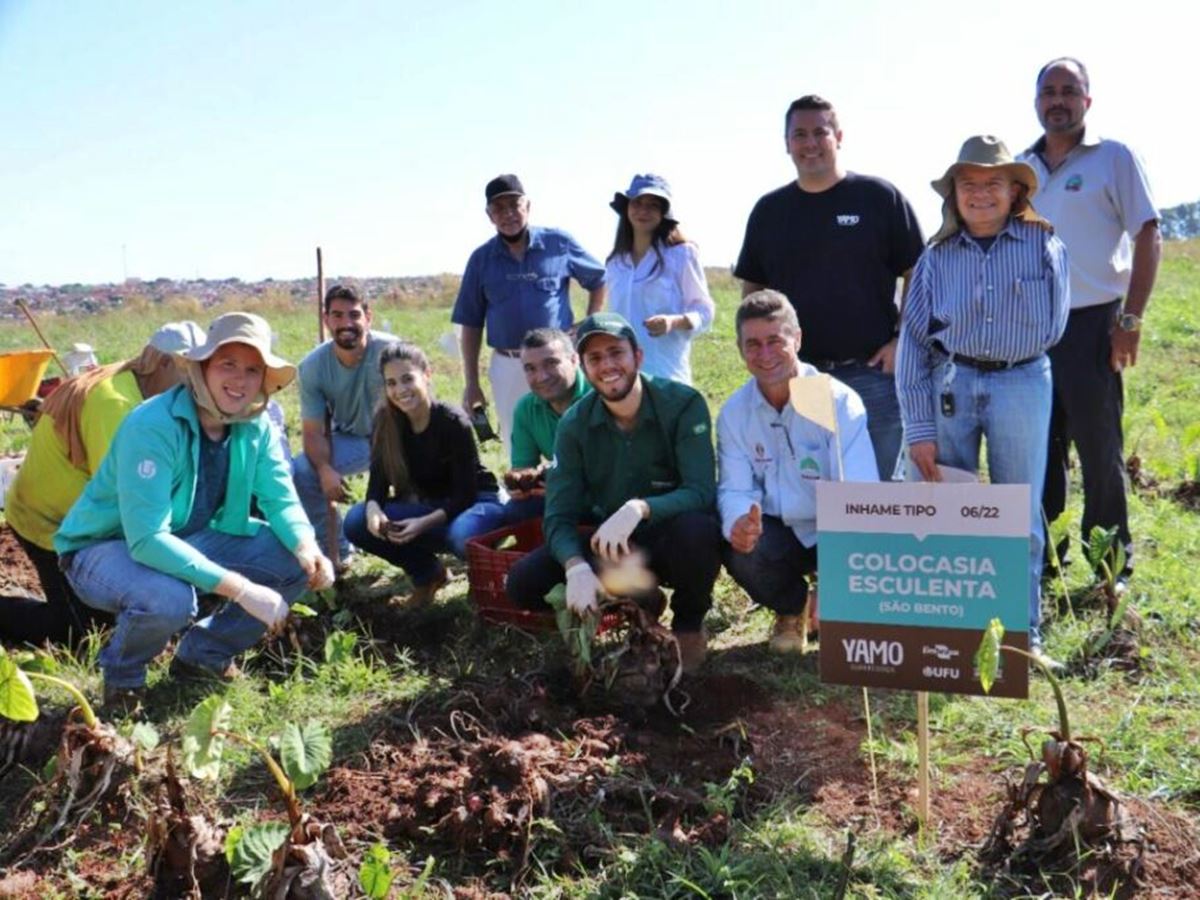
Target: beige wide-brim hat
(989,152)
(252,330)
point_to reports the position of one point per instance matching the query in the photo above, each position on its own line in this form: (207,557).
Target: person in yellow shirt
(74,428)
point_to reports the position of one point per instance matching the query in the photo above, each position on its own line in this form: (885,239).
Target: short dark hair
(766,304)
(544,337)
(344,292)
(810,101)
(1060,62)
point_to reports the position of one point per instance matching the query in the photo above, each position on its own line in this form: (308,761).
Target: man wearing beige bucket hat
(168,516)
(988,298)
(1096,193)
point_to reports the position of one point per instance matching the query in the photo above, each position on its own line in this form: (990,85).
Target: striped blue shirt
(1007,303)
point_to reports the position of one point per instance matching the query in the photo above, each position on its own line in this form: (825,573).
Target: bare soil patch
(17,574)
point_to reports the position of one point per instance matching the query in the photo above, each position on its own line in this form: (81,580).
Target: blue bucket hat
(642,185)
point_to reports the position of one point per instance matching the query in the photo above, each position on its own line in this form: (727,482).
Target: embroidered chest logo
(847,220)
(1074,184)
(810,469)
(146,469)
(760,455)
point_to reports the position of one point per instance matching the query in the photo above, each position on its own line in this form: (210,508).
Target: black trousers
(1089,400)
(61,618)
(683,551)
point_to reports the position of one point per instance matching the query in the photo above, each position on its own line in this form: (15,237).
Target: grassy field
(752,794)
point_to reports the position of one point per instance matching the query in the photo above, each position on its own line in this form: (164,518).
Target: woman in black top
(428,493)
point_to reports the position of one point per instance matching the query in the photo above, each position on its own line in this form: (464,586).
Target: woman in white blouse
(655,280)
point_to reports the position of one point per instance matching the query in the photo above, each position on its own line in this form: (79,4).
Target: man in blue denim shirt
(517,281)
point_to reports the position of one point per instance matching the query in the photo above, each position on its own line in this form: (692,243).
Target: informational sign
(910,574)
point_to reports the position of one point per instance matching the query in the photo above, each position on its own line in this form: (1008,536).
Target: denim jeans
(878,393)
(773,573)
(350,455)
(418,558)
(152,606)
(1011,408)
(522,510)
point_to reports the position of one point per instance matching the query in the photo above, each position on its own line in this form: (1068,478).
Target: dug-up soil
(17,574)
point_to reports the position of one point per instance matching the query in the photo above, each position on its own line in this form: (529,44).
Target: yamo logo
(847,220)
(146,469)
(863,653)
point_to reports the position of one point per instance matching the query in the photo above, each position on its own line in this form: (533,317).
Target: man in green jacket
(635,456)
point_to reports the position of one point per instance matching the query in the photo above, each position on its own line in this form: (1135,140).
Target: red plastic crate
(487,572)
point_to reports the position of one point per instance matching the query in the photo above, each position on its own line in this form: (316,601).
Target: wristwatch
(1129,322)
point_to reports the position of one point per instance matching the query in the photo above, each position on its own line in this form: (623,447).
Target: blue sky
(229,139)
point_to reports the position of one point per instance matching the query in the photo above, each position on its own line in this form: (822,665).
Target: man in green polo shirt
(636,457)
(551,368)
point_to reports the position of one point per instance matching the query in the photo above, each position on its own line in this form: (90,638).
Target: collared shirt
(350,393)
(775,458)
(535,423)
(145,489)
(666,460)
(1008,304)
(673,286)
(1098,199)
(512,296)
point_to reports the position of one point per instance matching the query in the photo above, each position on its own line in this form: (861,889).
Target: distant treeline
(1181,222)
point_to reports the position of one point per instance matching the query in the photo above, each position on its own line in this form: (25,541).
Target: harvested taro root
(525,480)
(646,666)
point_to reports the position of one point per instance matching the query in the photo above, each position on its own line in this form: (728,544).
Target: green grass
(785,848)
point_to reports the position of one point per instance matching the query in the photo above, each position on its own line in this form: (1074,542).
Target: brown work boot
(788,636)
(123,701)
(186,671)
(693,648)
(423,594)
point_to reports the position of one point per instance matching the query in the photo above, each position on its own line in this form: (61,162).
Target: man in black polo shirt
(835,243)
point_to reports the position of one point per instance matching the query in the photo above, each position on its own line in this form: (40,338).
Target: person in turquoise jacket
(168,514)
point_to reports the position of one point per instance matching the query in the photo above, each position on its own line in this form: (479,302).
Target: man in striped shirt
(988,298)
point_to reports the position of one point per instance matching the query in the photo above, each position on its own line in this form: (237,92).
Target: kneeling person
(635,456)
(770,460)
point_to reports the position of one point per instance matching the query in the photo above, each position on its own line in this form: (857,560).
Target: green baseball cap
(604,323)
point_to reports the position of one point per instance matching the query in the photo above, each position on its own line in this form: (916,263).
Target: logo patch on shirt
(146,469)
(810,469)
(699,429)
(847,220)
(1074,184)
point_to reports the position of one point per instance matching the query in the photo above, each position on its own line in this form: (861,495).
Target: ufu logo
(862,652)
(941,672)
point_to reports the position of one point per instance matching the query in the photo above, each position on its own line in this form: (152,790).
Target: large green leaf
(305,752)
(987,657)
(375,875)
(201,748)
(249,849)
(17,701)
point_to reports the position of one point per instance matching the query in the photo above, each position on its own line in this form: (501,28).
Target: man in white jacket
(770,459)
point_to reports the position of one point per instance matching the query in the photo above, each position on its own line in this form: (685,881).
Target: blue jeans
(1011,408)
(878,393)
(773,573)
(418,558)
(151,606)
(522,510)
(350,455)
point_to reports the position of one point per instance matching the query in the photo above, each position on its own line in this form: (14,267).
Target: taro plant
(93,759)
(279,858)
(1070,811)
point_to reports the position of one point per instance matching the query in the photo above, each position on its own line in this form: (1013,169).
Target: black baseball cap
(502,185)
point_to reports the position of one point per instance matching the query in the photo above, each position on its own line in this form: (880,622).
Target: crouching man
(771,459)
(635,456)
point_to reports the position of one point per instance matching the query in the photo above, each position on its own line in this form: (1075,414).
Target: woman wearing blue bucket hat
(655,279)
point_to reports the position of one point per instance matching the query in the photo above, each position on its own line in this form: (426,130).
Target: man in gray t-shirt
(340,377)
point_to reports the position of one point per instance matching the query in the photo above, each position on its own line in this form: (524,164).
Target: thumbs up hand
(747,530)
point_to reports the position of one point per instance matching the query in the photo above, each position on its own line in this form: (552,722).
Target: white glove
(263,603)
(582,586)
(316,566)
(611,540)
(376,520)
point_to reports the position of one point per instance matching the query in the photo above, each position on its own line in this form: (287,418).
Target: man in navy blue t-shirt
(835,243)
